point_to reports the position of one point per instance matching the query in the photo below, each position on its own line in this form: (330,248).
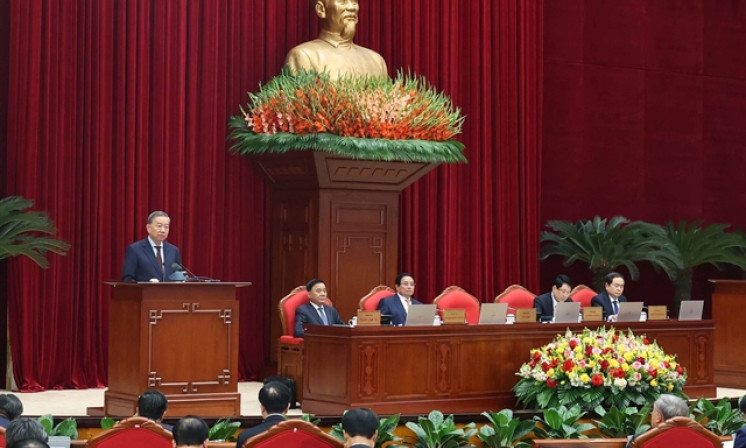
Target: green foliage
(107,422)
(223,430)
(310,418)
(562,423)
(386,427)
(720,418)
(606,245)
(622,423)
(435,431)
(504,430)
(21,232)
(695,245)
(66,428)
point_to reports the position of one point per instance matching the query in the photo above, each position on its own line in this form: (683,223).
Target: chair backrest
(516,296)
(133,431)
(288,304)
(370,301)
(582,294)
(455,297)
(678,431)
(294,433)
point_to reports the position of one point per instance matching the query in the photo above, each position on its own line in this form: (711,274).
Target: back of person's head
(671,406)
(562,279)
(10,406)
(360,422)
(29,443)
(190,431)
(24,429)
(742,404)
(611,276)
(152,404)
(274,397)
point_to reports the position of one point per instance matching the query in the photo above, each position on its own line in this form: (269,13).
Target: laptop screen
(420,315)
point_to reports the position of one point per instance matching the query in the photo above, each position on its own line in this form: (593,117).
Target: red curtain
(119,108)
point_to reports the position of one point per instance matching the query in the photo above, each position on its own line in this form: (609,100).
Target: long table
(459,369)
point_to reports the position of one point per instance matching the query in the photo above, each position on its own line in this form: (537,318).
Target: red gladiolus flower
(646,341)
(679,370)
(552,384)
(545,366)
(604,365)
(597,380)
(573,344)
(568,365)
(653,373)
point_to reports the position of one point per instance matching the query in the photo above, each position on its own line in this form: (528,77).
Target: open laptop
(420,315)
(566,313)
(629,311)
(493,313)
(691,310)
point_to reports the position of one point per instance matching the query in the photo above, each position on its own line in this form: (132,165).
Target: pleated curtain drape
(118,108)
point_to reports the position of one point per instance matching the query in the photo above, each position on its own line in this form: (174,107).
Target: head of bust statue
(338,16)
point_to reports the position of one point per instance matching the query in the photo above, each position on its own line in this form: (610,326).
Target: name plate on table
(657,312)
(454,316)
(525,315)
(592,314)
(368,318)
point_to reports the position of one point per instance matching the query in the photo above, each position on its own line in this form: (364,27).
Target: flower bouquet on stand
(373,118)
(602,367)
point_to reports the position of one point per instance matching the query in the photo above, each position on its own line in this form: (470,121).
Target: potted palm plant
(22,232)
(606,245)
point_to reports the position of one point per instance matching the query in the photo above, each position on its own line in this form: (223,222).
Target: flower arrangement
(598,367)
(362,117)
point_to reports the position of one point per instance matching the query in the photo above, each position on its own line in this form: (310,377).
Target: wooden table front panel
(457,369)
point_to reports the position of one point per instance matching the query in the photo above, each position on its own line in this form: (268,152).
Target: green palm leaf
(22,232)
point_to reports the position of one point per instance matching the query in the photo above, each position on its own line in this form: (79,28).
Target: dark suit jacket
(392,305)
(603,300)
(269,422)
(140,264)
(545,307)
(307,314)
(739,439)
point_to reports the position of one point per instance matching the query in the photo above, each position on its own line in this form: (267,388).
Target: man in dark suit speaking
(151,259)
(546,303)
(609,300)
(398,304)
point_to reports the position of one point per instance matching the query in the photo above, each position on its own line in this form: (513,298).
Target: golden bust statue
(334,50)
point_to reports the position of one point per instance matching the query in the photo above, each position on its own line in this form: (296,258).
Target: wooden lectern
(728,300)
(179,338)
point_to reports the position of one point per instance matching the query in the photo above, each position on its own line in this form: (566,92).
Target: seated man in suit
(739,439)
(190,432)
(360,428)
(546,303)
(665,407)
(152,258)
(274,398)
(398,304)
(609,299)
(152,404)
(315,312)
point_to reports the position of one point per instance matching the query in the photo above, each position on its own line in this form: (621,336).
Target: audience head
(614,283)
(24,429)
(10,406)
(29,443)
(152,404)
(190,431)
(274,398)
(316,291)
(668,406)
(360,425)
(404,285)
(742,405)
(562,287)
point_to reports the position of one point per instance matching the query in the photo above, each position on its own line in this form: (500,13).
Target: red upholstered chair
(290,356)
(678,432)
(516,296)
(293,433)
(582,294)
(133,431)
(370,301)
(455,297)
